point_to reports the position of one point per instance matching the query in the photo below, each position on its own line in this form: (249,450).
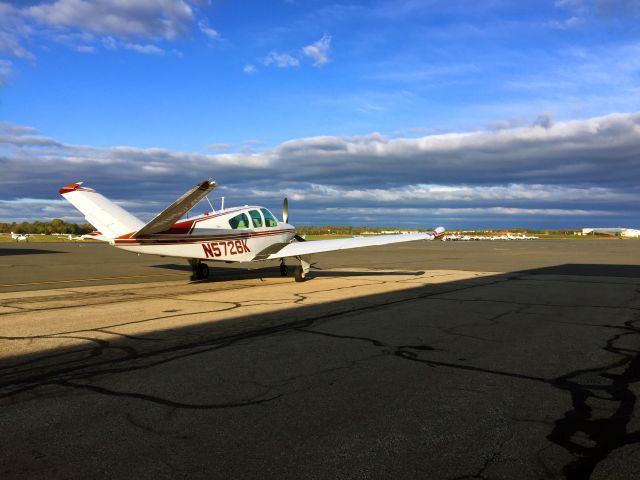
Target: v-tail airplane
(238,234)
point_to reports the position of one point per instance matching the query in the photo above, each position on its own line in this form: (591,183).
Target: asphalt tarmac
(443,360)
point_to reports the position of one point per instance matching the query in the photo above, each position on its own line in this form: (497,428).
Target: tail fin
(107,217)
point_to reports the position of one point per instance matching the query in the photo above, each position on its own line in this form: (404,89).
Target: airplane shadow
(230,273)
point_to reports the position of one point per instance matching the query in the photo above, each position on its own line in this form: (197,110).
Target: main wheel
(299,274)
(202,271)
(283,270)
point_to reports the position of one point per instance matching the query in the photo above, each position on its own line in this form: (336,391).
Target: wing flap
(297,249)
(174,212)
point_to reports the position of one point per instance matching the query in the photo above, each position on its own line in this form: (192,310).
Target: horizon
(413,114)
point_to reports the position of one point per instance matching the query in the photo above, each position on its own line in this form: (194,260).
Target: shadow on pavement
(437,379)
(25,251)
(630,271)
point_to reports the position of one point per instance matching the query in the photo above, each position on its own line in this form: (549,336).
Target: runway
(422,360)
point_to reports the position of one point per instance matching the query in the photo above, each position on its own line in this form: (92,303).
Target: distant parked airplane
(239,234)
(20,237)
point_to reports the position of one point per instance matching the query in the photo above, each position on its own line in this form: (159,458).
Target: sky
(411,113)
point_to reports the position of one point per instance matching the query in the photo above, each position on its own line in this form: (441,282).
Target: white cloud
(155,18)
(249,68)
(282,60)
(86,49)
(218,146)
(319,51)
(430,194)
(468,212)
(144,49)
(208,31)
(9,43)
(562,169)
(6,70)
(565,24)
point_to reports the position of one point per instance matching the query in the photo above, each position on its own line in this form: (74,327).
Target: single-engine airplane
(20,237)
(238,234)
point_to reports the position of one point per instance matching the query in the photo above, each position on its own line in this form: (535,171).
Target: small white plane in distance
(238,234)
(20,237)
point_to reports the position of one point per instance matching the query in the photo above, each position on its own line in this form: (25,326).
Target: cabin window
(239,221)
(268,218)
(256,218)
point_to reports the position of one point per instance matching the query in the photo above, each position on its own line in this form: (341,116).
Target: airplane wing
(174,212)
(298,249)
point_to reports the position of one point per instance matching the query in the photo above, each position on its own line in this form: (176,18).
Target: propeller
(285,210)
(285,217)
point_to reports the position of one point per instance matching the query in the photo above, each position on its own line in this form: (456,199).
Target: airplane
(20,237)
(238,234)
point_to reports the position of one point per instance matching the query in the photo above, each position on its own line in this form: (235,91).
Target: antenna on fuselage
(222,204)
(212,209)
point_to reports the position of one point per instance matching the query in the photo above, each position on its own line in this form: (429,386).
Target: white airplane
(239,234)
(20,237)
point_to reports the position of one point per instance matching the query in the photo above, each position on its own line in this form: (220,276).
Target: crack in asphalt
(162,401)
(65,372)
(606,434)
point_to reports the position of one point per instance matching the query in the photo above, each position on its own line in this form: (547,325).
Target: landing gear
(283,268)
(202,271)
(299,274)
(302,271)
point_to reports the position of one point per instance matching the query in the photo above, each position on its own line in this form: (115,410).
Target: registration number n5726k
(224,248)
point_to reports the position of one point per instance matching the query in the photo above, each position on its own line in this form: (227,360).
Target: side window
(239,221)
(256,218)
(268,218)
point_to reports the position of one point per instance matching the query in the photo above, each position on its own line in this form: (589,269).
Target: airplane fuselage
(235,235)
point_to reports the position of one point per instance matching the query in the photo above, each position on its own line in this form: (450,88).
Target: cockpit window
(256,218)
(239,221)
(268,218)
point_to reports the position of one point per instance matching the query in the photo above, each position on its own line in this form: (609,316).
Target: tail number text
(225,248)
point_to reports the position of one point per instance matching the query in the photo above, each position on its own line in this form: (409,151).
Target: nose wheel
(301,273)
(283,269)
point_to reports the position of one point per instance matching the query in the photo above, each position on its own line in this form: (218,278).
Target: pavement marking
(91,279)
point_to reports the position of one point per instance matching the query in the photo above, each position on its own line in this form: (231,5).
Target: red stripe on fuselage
(158,239)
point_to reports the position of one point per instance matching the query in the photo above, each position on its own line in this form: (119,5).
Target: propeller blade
(285,210)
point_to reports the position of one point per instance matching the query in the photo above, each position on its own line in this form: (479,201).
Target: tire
(283,270)
(299,275)
(202,271)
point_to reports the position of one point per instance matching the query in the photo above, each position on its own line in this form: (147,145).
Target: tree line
(47,228)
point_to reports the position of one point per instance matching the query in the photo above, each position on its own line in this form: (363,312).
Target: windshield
(269,220)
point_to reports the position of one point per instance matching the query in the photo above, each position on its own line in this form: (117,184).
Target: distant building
(617,232)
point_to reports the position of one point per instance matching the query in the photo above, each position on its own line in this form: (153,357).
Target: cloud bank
(549,173)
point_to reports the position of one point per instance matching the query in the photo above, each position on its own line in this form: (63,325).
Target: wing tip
(73,187)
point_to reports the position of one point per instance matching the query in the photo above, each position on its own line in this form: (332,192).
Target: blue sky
(408,113)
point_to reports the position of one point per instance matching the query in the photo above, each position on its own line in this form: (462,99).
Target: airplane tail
(108,218)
